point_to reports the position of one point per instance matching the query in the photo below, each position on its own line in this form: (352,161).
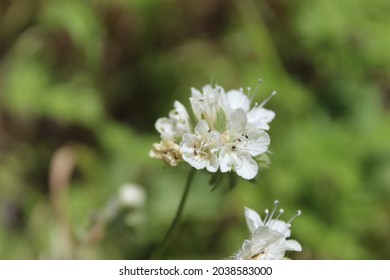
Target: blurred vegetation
(82,83)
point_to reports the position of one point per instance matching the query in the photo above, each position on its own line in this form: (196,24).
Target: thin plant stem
(175,222)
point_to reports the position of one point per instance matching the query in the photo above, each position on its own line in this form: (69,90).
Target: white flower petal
(202,128)
(188,143)
(196,93)
(280,226)
(293,245)
(225,160)
(165,127)
(260,117)
(238,120)
(195,161)
(258,143)
(276,250)
(246,167)
(196,103)
(264,232)
(207,90)
(237,99)
(253,220)
(214,141)
(212,164)
(181,119)
(181,110)
(176,125)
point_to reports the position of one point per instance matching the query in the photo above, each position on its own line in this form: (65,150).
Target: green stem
(175,222)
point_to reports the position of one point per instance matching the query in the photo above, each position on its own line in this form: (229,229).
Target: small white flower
(240,143)
(176,125)
(207,104)
(131,195)
(199,149)
(268,238)
(258,116)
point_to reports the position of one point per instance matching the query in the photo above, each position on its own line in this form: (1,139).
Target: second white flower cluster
(229,134)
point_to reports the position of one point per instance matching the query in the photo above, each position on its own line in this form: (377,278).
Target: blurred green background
(82,83)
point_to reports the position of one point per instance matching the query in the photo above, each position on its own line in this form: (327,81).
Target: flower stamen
(281,211)
(266,211)
(299,212)
(276,203)
(268,98)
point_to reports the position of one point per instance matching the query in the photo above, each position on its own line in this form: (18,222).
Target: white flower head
(268,237)
(176,125)
(241,142)
(229,135)
(199,149)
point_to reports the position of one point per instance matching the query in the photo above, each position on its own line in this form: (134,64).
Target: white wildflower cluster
(268,239)
(228,134)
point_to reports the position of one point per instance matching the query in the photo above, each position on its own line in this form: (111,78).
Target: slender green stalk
(175,222)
